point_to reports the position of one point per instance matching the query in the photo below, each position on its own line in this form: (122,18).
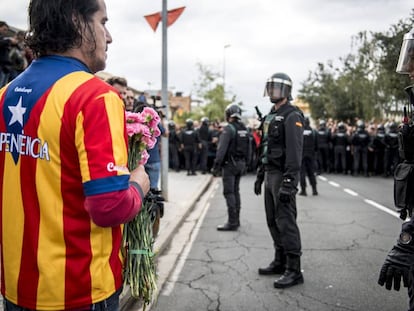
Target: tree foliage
(364,84)
(210,89)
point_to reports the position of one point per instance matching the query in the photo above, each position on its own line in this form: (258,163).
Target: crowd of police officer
(193,147)
(356,149)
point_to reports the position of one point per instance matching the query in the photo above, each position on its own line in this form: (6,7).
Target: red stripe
(114,260)
(29,273)
(76,223)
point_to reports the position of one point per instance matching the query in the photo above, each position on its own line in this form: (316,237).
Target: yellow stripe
(48,180)
(12,218)
(102,276)
(115,109)
(298,124)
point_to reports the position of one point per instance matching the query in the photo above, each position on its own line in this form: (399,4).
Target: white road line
(382,208)
(332,183)
(351,192)
(322,178)
(169,286)
(370,202)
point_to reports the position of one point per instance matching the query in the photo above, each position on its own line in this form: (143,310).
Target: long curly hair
(56,26)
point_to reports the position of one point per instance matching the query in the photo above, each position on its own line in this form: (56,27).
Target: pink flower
(142,130)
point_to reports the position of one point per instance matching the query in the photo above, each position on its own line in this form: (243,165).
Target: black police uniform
(281,158)
(189,140)
(310,149)
(378,146)
(360,141)
(392,157)
(173,147)
(204,136)
(340,143)
(231,157)
(324,149)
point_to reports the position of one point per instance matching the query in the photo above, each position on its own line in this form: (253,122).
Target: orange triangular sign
(173,15)
(153,20)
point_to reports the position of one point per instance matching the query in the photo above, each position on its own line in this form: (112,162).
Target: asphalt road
(346,233)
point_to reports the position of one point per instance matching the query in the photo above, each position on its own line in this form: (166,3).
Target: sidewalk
(183,192)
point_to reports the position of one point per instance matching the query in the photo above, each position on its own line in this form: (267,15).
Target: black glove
(259,181)
(258,186)
(399,260)
(216,170)
(287,190)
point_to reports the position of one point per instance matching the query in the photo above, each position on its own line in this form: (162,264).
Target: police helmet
(322,122)
(307,122)
(381,128)
(278,86)
(360,124)
(189,123)
(233,111)
(393,127)
(406,60)
(341,126)
(171,124)
(205,120)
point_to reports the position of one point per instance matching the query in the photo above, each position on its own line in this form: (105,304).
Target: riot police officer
(189,142)
(279,168)
(360,141)
(391,151)
(173,146)
(399,262)
(378,146)
(310,149)
(324,148)
(340,143)
(231,158)
(204,136)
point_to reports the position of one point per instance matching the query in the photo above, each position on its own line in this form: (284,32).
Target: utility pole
(164,101)
(224,69)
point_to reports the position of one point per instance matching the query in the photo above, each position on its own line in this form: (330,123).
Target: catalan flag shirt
(62,142)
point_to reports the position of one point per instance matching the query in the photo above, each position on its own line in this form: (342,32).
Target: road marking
(368,201)
(382,208)
(332,183)
(169,286)
(351,192)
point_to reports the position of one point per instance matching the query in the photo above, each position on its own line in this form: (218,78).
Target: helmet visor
(278,88)
(406,60)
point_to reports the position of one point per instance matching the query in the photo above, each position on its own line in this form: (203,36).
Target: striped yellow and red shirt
(62,139)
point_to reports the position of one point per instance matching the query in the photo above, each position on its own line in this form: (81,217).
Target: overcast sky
(265,36)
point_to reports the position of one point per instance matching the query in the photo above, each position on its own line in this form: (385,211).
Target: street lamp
(224,68)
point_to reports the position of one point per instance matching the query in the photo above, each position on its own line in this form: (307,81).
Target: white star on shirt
(17,113)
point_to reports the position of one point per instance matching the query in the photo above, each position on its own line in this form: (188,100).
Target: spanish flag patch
(298,124)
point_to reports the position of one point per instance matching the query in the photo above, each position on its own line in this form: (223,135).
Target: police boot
(277,266)
(292,275)
(231,224)
(314,191)
(303,192)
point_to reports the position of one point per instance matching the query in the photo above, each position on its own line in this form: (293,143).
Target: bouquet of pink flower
(142,129)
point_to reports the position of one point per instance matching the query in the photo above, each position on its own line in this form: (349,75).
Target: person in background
(324,148)
(279,168)
(173,146)
(72,190)
(360,140)
(231,158)
(340,143)
(310,149)
(189,142)
(205,137)
(6,43)
(120,84)
(130,101)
